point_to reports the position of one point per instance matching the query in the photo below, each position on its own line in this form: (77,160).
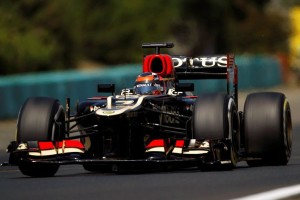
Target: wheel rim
(56,127)
(233,132)
(287,129)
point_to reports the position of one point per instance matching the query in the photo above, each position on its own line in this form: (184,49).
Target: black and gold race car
(158,123)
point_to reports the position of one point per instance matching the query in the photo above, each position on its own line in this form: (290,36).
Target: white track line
(279,193)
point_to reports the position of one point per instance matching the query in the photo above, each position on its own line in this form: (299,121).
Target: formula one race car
(157,124)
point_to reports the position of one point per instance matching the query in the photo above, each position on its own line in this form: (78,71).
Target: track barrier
(254,72)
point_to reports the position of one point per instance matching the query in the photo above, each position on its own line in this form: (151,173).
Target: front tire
(38,170)
(215,117)
(40,119)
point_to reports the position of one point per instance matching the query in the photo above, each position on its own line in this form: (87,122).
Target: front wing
(217,153)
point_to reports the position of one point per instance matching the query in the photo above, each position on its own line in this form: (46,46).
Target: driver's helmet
(148,83)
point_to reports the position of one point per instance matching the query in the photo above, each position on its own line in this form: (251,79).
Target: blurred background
(57,48)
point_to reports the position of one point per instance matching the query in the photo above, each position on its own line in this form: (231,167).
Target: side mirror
(106,88)
(184,87)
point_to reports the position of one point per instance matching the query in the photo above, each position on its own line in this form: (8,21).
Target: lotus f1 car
(156,124)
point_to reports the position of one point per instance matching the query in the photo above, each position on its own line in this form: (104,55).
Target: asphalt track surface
(73,182)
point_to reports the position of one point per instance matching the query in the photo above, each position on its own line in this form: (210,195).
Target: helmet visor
(145,89)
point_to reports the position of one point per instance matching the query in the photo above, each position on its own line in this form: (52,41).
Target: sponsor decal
(94,108)
(125,102)
(216,61)
(147,85)
(167,119)
(178,62)
(108,112)
(174,92)
(211,61)
(22,146)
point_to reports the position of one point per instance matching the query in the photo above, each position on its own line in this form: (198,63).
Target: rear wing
(209,67)
(188,68)
(204,67)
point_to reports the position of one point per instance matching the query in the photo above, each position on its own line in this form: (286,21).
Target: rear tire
(40,119)
(215,117)
(267,129)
